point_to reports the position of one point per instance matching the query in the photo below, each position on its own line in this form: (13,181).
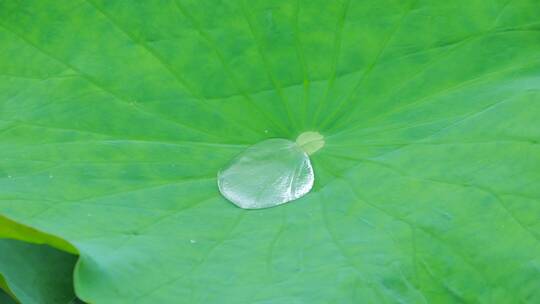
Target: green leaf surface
(115,117)
(13,230)
(5,298)
(5,292)
(36,274)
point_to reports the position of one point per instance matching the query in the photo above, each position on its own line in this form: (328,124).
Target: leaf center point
(310,142)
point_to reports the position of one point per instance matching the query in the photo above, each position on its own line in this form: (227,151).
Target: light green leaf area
(14,230)
(36,274)
(116,116)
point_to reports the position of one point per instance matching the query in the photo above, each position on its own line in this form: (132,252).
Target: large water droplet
(267,174)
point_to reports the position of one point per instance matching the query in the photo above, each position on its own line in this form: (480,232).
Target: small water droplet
(9,176)
(266,131)
(267,174)
(51,176)
(192,241)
